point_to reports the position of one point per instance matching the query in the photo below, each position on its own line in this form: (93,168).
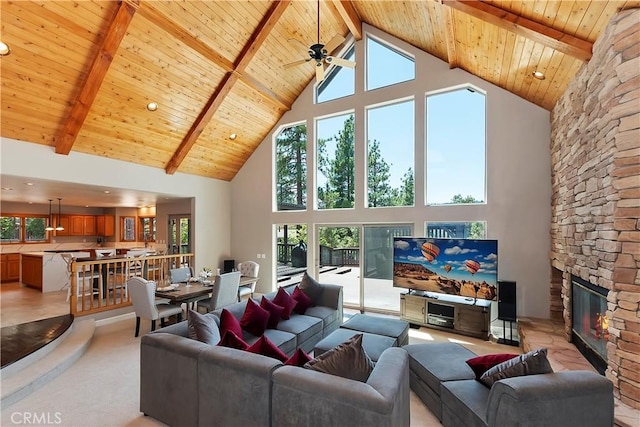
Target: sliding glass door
(179,240)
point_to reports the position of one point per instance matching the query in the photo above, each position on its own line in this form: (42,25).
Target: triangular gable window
(387,66)
(339,82)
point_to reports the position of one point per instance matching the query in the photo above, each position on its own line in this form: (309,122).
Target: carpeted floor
(102,388)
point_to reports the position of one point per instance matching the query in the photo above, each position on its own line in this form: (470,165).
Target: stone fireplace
(595,229)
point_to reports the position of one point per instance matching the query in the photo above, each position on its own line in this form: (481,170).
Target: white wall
(518,180)
(210,197)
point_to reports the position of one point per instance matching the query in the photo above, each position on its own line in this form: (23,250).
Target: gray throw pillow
(532,363)
(202,328)
(348,360)
(311,287)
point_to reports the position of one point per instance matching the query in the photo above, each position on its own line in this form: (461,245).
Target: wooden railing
(103,282)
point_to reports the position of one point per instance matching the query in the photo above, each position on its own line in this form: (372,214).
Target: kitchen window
(21,228)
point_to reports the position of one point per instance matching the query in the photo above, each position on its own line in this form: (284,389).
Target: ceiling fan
(321,54)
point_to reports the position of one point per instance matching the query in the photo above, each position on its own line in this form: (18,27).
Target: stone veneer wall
(595,230)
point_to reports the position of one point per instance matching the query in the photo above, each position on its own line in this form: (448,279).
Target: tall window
(390,180)
(335,162)
(291,168)
(147,229)
(387,66)
(339,81)
(456,148)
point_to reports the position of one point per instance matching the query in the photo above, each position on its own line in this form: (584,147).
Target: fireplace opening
(590,325)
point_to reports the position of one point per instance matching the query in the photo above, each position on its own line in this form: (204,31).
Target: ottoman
(394,328)
(373,344)
(431,364)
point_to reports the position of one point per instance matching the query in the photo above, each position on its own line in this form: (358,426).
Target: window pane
(339,260)
(387,66)
(390,151)
(291,247)
(335,164)
(148,229)
(339,81)
(457,230)
(456,147)
(291,168)
(34,229)
(10,228)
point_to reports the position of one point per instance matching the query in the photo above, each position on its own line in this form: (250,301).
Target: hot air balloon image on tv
(430,251)
(463,267)
(472,266)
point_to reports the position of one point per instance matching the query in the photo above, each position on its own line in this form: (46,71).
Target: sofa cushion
(254,319)
(275,312)
(299,358)
(283,299)
(231,340)
(265,347)
(327,314)
(434,363)
(202,328)
(464,403)
(348,360)
(304,302)
(532,363)
(302,326)
(480,364)
(311,287)
(228,322)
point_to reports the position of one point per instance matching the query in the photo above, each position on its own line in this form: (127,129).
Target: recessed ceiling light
(7,188)
(538,75)
(233,136)
(4,49)
(28,183)
(152,106)
(107,192)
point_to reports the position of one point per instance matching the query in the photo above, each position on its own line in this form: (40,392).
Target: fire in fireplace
(590,325)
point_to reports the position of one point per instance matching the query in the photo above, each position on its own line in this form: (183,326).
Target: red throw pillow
(304,302)
(265,347)
(228,322)
(231,340)
(275,312)
(286,301)
(480,364)
(299,358)
(255,318)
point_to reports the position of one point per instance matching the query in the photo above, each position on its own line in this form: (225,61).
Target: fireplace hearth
(590,325)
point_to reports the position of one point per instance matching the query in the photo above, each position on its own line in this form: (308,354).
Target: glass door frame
(172,238)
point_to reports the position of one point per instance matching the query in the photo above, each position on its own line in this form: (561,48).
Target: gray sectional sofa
(187,382)
(440,376)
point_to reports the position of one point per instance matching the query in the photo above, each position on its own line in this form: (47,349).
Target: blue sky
(455,131)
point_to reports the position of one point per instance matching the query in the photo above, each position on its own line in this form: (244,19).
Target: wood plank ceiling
(81,73)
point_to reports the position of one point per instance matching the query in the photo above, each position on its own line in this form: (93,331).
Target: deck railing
(102,283)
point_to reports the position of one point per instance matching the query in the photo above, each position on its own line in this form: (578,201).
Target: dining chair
(223,293)
(105,252)
(134,266)
(84,279)
(181,274)
(143,293)
(248,269)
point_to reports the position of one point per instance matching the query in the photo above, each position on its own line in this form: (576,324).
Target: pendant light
(50,226)
(59,227)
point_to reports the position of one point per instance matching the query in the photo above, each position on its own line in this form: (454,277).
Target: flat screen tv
(464,267)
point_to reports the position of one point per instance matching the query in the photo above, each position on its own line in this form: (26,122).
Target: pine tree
(291,166)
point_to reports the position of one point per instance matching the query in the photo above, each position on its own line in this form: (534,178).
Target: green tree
(10,228)
(34,229)
(339,190)
(291,166)
(379,192)
(467,199)
(477,230)
(404,196)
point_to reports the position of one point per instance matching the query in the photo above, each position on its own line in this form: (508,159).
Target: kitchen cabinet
(105,225)
(65,222)
(32,271)
(90,225)
(82,225)
(10,267)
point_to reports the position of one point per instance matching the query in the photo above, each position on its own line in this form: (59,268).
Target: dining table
(193,291)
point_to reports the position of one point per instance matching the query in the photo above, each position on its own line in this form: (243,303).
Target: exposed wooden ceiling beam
(450,38)
(95,76)
(350,17)
(532,30)
(246,55)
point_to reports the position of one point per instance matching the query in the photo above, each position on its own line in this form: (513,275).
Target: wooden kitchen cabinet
(65,222)
(32,271)
(76,227)
(90,228)
(10,267)
(105,225)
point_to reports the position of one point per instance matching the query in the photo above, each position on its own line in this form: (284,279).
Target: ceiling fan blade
(334,60)
(294,63)
(334,43)
(319,72)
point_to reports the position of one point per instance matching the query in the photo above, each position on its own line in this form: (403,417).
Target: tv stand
(447,312)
